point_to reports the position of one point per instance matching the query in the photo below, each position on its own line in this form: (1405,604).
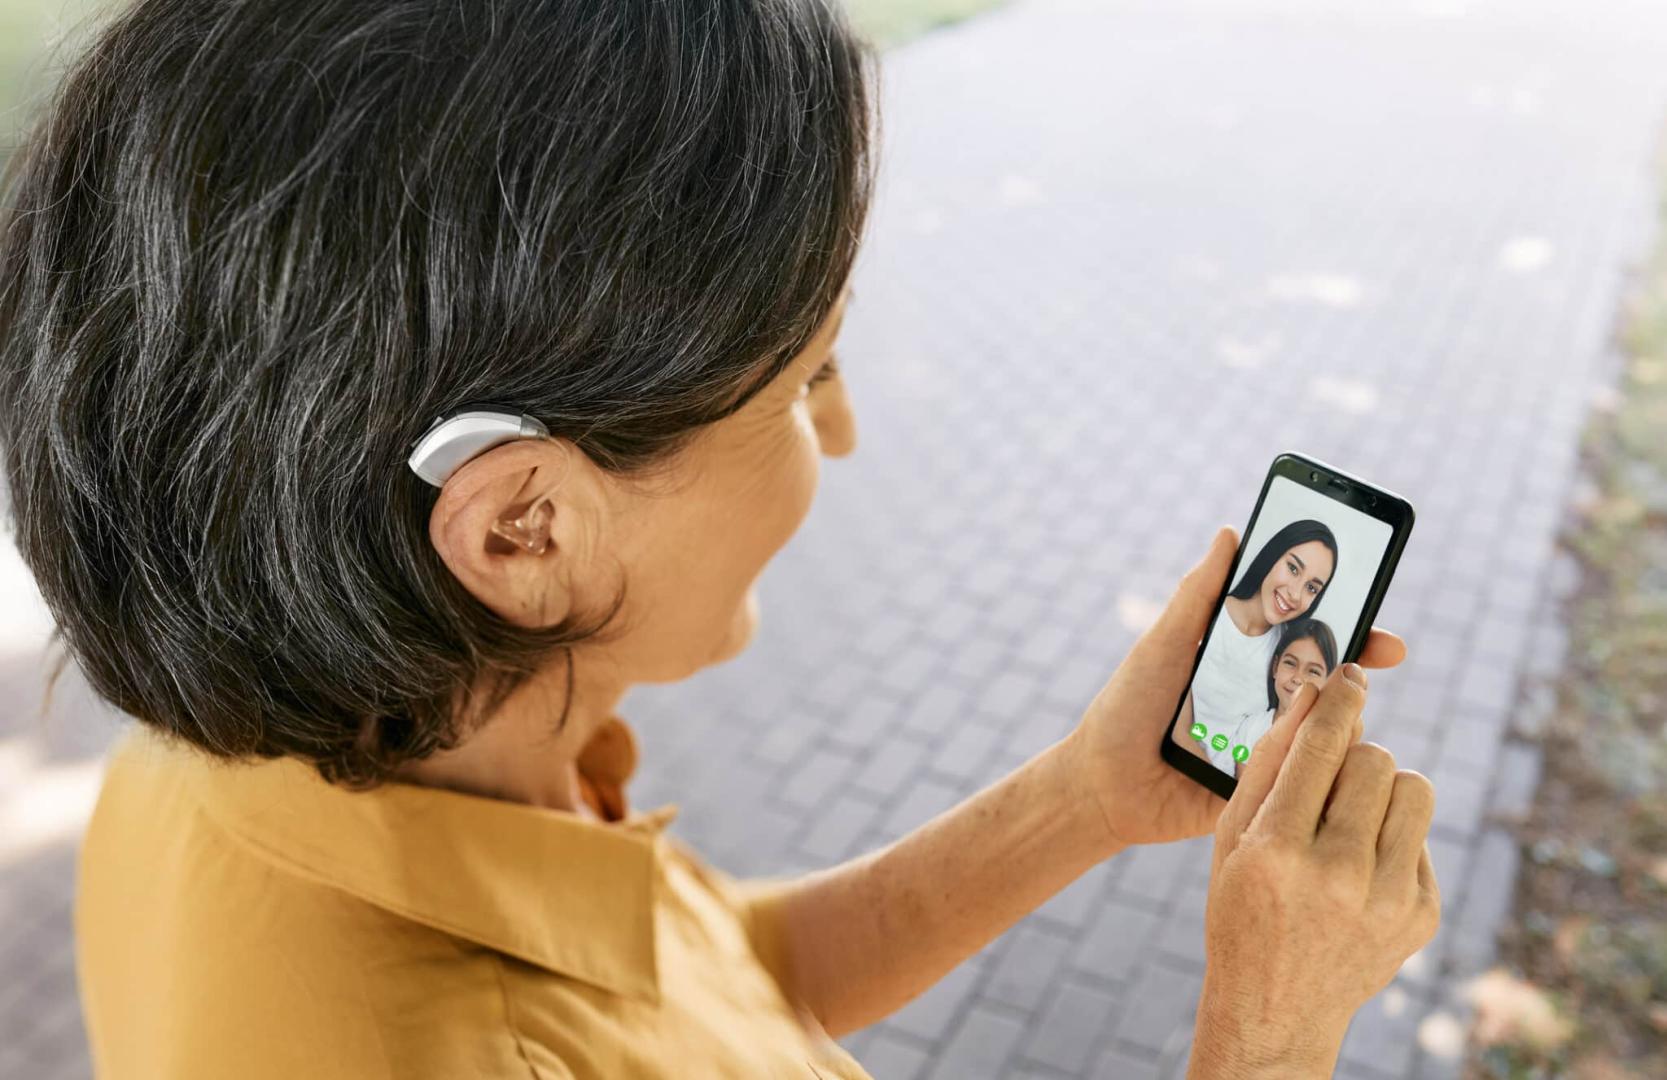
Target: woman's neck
(1247,616)
(519,755)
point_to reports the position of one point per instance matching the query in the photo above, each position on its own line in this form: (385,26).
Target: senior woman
(373,820)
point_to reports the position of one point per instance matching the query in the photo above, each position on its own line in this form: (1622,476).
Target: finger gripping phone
(1308,579)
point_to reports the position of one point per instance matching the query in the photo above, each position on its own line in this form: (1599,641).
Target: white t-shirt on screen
(1245,732)
(1232,679)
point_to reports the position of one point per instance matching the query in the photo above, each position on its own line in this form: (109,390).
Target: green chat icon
(1199,731)
(1241,752)
(1218,741)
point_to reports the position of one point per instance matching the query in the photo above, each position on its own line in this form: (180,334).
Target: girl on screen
(1286,580)
(1307,653)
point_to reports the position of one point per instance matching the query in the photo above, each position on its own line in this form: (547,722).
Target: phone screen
(1299,592)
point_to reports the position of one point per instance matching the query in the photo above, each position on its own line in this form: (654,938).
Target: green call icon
(1218,741)
(1241,752)
(1199,731)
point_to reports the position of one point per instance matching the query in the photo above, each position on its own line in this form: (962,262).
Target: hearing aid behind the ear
(464,432)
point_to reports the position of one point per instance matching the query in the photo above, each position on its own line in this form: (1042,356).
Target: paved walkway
(1126,253)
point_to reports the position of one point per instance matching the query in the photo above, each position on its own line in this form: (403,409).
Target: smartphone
(1308,579)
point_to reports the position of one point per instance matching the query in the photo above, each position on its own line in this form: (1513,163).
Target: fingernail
(1353,672)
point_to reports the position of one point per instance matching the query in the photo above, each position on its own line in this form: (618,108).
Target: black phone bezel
(1351,491)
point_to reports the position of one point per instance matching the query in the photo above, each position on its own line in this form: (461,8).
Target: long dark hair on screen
(1297,532)
(1299,629)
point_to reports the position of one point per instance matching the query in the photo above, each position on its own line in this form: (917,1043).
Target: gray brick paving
(1068,1029)
(1124,253)
(980,1044)
(1027,968)
(1116,1065)
(887,1055)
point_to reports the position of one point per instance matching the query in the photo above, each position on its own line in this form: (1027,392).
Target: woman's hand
(1321,888)
(1115,747)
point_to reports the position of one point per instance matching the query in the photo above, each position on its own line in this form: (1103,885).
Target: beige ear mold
(530,531)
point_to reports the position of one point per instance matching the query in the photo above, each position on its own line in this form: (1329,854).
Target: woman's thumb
(1187,615)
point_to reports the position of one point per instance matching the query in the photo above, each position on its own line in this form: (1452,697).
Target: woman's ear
(502,527)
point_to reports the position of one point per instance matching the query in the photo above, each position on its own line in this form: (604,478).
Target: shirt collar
(567,893)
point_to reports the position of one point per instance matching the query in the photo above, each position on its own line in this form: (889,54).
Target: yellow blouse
(251,920)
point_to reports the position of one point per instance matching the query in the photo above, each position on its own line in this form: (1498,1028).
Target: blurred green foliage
(37,39)
(29,30)
(1593,899)
(892,22)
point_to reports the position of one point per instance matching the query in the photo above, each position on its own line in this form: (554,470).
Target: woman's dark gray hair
(254,247)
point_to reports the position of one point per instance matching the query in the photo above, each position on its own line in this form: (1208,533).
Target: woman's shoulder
(1235,642)
(195,946)
(1226,622)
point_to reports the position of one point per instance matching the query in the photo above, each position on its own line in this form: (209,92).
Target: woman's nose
(836,421)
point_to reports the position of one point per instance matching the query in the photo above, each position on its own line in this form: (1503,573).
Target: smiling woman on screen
(1286,580)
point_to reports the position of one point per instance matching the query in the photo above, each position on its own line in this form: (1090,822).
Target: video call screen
(1296,602)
